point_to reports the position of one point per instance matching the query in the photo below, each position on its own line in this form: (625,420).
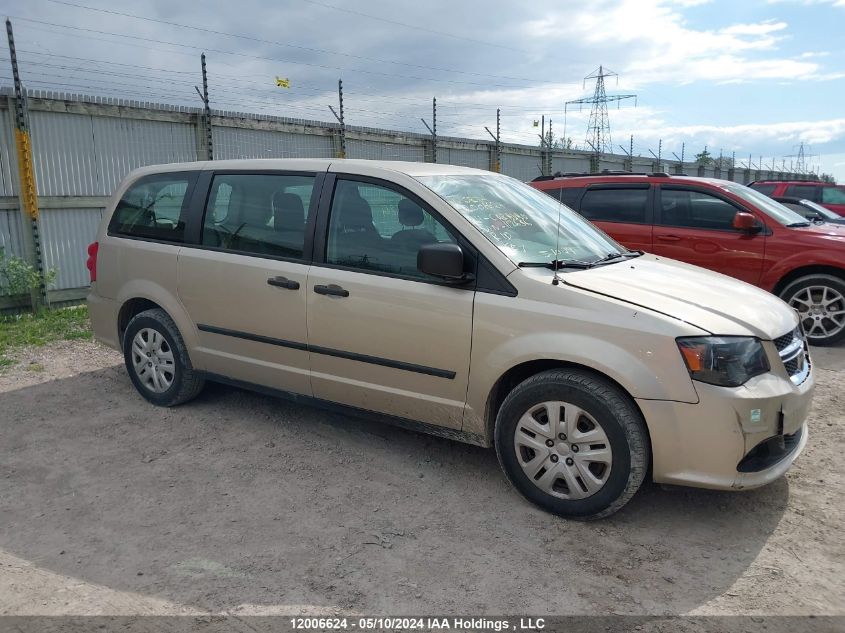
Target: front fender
(633,347)
(798,260)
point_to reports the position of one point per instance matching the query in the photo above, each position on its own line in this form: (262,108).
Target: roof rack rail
(810,180)
(605,172)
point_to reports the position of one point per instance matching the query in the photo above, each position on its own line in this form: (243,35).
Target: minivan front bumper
(733,438)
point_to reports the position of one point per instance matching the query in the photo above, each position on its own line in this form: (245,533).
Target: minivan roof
(315,164)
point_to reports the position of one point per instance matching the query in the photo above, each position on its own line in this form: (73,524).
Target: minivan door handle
(332,289)
(283,282)
(668,238)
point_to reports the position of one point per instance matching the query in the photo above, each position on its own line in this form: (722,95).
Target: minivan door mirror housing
(442,260)
(746,222)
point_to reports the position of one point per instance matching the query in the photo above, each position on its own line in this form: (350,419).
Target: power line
(457,110)
(259,57)
(283,44)
(411,26)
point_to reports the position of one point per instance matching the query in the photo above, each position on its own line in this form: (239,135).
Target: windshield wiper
(797,225)
(557,264)
(614,256)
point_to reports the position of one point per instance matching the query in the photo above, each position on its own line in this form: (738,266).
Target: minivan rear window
(154,208)
(263,214)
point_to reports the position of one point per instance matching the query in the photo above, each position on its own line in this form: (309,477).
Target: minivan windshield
(772,208)
(523,222)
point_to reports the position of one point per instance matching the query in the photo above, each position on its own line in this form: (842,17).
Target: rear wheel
(820,302)
(157,360)
(573,443)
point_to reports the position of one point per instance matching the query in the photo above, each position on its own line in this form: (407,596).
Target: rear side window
(615,205)
(264,214)
(766,190)
(810,192)
(833,195)
(695,209)
(568,196)
(154,208)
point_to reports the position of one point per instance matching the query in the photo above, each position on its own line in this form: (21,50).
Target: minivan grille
(792,349)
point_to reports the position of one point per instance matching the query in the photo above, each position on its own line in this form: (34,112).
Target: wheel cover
(821,309)
(563,450)
(152,360)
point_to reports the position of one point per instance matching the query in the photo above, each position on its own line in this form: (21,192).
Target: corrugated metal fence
(84,146)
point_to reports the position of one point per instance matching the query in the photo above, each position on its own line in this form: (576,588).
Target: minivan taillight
(91,263)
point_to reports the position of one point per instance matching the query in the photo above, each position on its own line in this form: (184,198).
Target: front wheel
(820,302)
(573,443)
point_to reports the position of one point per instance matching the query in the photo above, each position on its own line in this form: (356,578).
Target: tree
(553,142)
(724,162)
(704,158)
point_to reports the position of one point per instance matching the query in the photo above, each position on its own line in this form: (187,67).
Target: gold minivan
(455,301)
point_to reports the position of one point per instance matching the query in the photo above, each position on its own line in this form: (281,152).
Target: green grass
(21,330)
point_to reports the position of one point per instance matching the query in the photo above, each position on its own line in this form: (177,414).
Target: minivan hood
(713,302)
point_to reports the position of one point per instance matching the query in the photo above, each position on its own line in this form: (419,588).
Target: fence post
(28,191)
(342,136)
(205,144)
(496,156)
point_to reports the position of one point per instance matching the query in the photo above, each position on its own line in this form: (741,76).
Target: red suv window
(616,205)
(810,192)
(833,195)
(766,190)
(695,209)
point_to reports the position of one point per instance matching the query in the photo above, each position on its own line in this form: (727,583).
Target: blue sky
(753,77)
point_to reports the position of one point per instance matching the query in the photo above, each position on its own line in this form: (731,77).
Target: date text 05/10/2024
(412,623)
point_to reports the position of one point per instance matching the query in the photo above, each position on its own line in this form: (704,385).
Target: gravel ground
(239,503)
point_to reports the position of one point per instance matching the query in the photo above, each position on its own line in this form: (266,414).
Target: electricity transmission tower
(598,129)
(801,158)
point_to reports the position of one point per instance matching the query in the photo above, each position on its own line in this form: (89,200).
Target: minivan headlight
(727,361)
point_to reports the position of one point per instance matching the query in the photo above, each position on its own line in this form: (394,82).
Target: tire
(168,378)
(590,401)
(820,302)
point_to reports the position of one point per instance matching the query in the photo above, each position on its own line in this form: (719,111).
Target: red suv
(824,193)
(726,227)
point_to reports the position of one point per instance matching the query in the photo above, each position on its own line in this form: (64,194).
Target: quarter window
(615,205)
(154,208)
(696,209)
(379,229)
(263,214)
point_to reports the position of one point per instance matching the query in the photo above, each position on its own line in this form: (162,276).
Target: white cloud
(833,3)
(658,44)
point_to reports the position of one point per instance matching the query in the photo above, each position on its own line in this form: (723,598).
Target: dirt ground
(240,503)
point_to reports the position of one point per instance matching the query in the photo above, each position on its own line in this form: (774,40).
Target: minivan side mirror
(745,222)
(442,260)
